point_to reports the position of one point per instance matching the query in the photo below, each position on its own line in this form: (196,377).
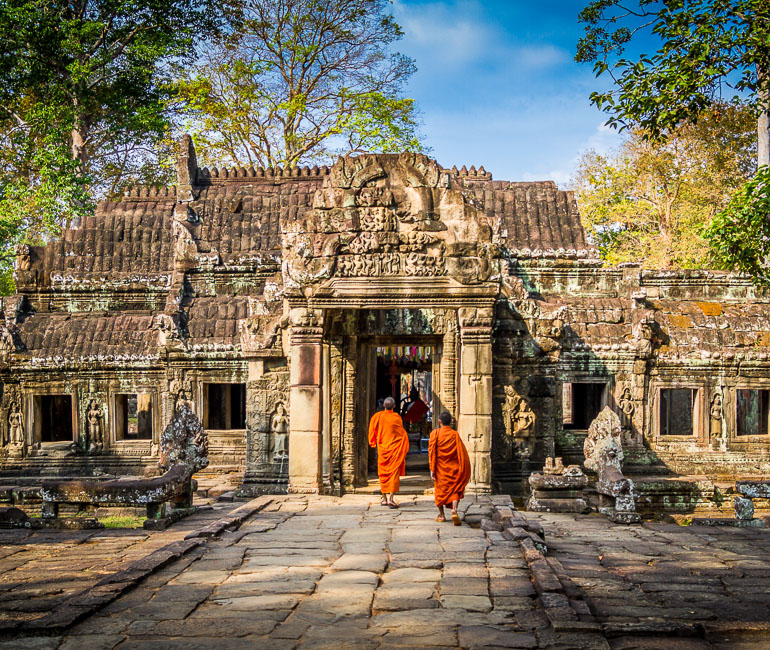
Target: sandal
(383,502)
(440,518)
(393,505)
(456,519)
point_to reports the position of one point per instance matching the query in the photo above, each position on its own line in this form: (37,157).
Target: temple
(280,304)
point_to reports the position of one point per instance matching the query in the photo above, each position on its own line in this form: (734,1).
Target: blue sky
(497,85)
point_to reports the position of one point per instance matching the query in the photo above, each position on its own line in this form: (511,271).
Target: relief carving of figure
(181,400)
(519,421)
(15,425)
(94,418)
(279,427)
(716,413)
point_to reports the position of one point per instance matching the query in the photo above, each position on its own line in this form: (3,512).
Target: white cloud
(603,139)
(460,33)
(539,56)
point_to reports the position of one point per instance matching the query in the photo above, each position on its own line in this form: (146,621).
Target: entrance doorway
(405,372)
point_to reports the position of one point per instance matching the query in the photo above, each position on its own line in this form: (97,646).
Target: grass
(115,521)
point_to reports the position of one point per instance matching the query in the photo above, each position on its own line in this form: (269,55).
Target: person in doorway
(387,433)
(416,409)
(450,467)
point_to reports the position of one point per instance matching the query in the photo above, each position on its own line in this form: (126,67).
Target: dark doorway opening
(55,418)
(582,402)
(225,406)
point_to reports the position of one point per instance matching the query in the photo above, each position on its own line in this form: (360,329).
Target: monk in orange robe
(387,433)
(450,467)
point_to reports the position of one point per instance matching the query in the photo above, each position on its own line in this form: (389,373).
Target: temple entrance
(405,373)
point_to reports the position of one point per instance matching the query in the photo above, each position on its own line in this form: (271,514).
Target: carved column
(305,396)
(474,422)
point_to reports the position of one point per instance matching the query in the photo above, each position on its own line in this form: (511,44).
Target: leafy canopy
(649,199)
(300,81)
(84,87)
(707,48)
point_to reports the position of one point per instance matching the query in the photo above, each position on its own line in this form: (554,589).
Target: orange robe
(449,463)
(387,433)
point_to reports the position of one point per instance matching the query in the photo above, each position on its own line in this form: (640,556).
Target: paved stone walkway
(40,570)
(688,582)
(325,572)
(312,572)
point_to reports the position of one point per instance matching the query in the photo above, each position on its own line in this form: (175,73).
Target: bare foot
(441,518)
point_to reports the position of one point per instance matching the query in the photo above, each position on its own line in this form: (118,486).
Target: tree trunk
(763,138)
(78,137)
(763,123)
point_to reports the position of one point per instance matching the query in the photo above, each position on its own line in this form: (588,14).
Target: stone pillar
(474,421)
(306,402)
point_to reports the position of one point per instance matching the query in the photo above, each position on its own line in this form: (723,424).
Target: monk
(387,433)
(450,467)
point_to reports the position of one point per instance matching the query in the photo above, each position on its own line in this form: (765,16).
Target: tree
(650,199)
(83,92)
(706,46)
(299,81)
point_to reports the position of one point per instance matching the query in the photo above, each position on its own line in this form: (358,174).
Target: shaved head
(445,418)
(389,403)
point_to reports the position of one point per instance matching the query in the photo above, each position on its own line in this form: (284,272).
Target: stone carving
(94,418)
(519,421)
(23,261)
(184,451)
(626,403)
(267,433)
(181,400)
(557,488)
(279,430)
(15,425)
(548,331)
(387,215)
(604,455)
(184,442)
(185,248)
(718,435)
(554,466)
(642,336)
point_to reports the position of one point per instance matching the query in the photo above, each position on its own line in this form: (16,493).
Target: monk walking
(450,467)
(387,433)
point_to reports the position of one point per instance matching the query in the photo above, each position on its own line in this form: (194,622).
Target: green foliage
(739,235)
(706,47)
(84,90)
(298,82)
(648,201)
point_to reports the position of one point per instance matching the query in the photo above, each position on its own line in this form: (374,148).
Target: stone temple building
(282,303)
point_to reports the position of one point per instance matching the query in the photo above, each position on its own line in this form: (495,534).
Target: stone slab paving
(41,570)
(697,586)
(326,572)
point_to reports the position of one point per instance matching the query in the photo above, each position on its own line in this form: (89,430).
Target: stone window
(582,402)
(53,418)
(133,416)
(677,411)
(225,406)
(751,412)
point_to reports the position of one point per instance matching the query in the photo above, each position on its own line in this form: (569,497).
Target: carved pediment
(389,215)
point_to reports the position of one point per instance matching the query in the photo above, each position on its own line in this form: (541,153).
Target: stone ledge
(233,520)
